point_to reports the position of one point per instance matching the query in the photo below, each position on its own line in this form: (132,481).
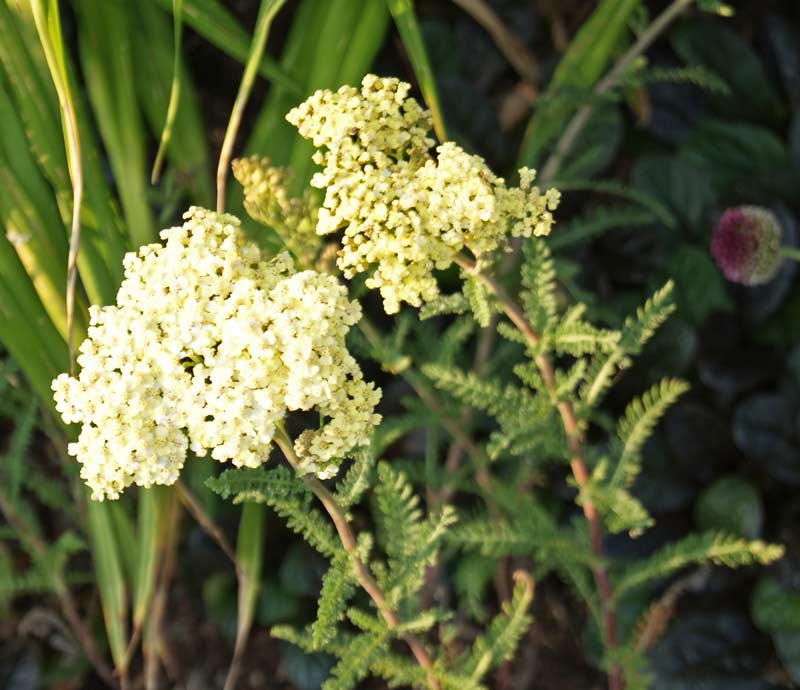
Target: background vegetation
(710,121)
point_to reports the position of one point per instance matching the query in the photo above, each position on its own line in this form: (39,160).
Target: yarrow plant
(207,349)
(405,211)
(211,344)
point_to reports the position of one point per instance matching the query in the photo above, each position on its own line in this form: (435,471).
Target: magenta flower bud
(747,245)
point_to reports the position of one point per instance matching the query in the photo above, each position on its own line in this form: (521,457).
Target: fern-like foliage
(338,585)
(697,75)
(478,299)
(635,332)
(619,510)
(526,419)
(286,494)
(573,336)
(599,221)
(636,425)
(538,275)
(411,541)
(445,304)
(357,480)
(363,651)
(502,636)
(712,547)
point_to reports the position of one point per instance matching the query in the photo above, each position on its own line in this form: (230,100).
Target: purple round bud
(747,245)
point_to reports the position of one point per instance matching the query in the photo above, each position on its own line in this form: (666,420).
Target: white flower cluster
(403,211)
(208,347)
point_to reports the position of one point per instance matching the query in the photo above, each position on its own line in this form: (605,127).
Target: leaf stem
(792,253)
(579,120)
(573,435)
(362,573)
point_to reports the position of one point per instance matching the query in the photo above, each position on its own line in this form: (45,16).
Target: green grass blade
(272,135)
(584,61)
(125,535)
(110,581)
(212,21)
(366,41)
(329,49)
(249,562)
(146,553)
(25,329)
(157,507)
(266,13)
(406,21)
(30,218)
(174,93)
(106,58)
(330,44)
(160,66)
(48,25)
(35,96)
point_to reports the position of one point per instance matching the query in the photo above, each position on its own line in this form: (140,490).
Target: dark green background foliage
(712,121)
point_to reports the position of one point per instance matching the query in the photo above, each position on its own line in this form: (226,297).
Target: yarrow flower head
(747,245)
(208,347)
(404,211)
(267,200)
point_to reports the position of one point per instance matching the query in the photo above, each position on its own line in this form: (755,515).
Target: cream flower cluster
(267,200)
(208,347)
(405,212)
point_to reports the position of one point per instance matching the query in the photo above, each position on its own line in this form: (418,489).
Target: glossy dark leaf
(710,650)
(681,186)
(711,43)
(699,285)
(305,671)
(742,159)
(699,440)
(597,145)
(730,505)
(764,429)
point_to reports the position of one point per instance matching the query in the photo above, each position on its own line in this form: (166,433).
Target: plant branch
(205,521)
(362,573)
(579,120)
(572,432)
(512,48)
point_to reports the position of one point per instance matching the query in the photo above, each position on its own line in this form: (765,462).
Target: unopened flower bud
(747,245)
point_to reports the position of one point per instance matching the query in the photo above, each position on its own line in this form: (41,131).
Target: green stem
(581,118)
(175,91)
(249,562)
(792,253)
(266,13)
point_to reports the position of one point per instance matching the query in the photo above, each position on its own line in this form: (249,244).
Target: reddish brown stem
(362,573)
(573,435)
